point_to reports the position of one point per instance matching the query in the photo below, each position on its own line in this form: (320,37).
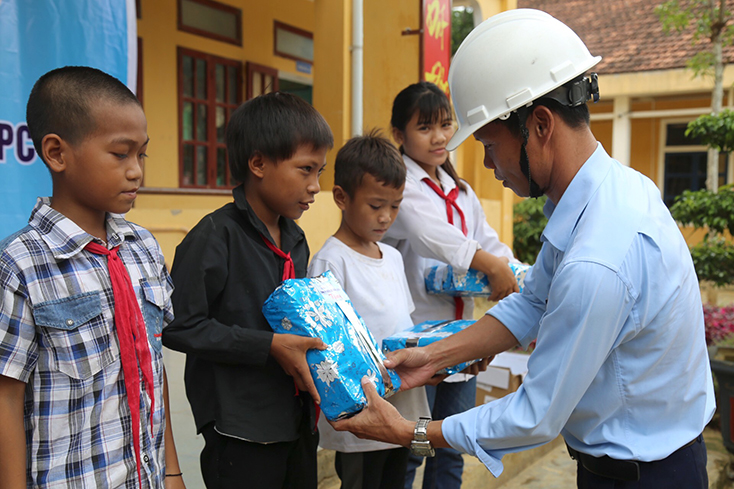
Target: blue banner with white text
(37,36)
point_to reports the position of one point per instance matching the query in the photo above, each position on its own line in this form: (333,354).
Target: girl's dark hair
(432,105)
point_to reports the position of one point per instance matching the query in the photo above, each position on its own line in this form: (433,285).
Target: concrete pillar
(621,130)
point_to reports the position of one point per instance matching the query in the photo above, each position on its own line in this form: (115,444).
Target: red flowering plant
(719,323)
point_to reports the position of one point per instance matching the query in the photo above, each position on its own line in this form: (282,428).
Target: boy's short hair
(274,125)
(371,153)
(61,100)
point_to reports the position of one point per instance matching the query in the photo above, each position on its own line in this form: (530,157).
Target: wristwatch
(420,445)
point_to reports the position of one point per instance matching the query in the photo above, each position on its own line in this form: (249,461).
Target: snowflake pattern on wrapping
(327,371)
(319,308)
(286,323)
(318,315)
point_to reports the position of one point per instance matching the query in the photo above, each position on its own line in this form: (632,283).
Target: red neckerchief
(133,339)
(289,271)
(450,200)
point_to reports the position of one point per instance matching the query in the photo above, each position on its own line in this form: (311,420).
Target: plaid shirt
(57,335)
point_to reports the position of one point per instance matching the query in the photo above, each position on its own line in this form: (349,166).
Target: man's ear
(340,197)
(257,163)
(54,152)
(544,122)
(397,135)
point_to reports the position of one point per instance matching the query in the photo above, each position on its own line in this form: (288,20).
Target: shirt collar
(415,171)
(65,238)
(562,218)
(290,232)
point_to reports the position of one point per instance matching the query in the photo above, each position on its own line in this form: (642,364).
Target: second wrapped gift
(318,307)
(426,333)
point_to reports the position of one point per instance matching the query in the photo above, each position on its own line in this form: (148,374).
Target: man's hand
(290,352)
(378,421)
(414,366)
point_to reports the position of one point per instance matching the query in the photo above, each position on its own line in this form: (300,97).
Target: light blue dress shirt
(620,367)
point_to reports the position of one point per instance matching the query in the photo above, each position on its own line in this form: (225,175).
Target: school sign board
(37,36)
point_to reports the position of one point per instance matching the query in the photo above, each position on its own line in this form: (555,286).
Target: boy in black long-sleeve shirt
(248,387)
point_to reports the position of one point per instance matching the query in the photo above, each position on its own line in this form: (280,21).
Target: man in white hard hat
(620,368)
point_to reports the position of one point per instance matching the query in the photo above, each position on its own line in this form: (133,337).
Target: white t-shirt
(425,238)
(379,292)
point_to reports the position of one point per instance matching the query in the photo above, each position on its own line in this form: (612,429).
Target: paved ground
(547,467)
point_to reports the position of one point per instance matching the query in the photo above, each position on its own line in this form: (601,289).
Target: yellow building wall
(171,215)
(391,59)
(391,62)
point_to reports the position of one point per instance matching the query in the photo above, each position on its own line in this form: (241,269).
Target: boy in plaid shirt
(84,295)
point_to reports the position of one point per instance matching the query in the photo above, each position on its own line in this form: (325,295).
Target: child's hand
(290,352)
(501,279)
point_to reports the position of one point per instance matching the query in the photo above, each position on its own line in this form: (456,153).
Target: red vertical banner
(436,42)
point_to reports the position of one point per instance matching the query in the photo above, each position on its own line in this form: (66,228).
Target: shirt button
(146,459)
(70,322)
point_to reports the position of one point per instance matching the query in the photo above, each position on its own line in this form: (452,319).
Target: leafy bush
(528,224)
(703,208)
(713,258)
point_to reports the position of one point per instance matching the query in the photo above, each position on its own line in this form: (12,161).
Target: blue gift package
(426,333)
(443,279)
(318,307)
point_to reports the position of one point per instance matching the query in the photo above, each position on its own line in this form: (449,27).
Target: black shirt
(223,272)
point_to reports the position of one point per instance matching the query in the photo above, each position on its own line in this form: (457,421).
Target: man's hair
(274,125)
(61,101)
(371,153)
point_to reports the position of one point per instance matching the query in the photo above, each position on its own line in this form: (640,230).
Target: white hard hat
(508,61)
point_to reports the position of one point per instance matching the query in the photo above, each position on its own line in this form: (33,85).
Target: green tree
(462,22)
(712,22)
(528,224)
(713,258)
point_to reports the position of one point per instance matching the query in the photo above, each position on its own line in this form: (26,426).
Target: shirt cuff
(460,431)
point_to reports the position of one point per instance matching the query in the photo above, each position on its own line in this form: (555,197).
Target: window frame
(295,30)
(217,6)
(211,142)
(692,148)
(252,69)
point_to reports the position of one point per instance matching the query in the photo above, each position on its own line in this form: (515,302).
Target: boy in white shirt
(369,178)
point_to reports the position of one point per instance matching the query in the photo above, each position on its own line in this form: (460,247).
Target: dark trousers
(683,469)
(231,463)
(381,469)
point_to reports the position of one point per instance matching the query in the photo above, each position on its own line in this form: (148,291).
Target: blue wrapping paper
(426,333)
(443,279)
(318,307)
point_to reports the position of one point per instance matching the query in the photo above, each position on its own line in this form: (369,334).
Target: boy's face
(373,208)
(288,187)
(103,172)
